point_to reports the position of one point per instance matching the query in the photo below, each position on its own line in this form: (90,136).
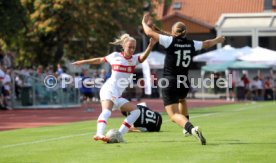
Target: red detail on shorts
(101,121)
(126,124)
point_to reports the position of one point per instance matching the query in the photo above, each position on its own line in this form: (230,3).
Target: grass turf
(234,133)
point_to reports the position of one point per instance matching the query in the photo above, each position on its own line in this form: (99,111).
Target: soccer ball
(114,136)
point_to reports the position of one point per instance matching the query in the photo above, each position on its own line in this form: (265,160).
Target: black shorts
(174,92)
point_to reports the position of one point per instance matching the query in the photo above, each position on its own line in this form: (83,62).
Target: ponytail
(182,32)
(179,29)
(122,39)
(160,31)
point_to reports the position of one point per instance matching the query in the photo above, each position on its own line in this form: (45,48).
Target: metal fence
(29,91)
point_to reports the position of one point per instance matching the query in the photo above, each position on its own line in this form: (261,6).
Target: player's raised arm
(209,43)
(148,31)
(89,61)
(146,53)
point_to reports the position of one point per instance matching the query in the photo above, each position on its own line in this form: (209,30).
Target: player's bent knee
(136,112)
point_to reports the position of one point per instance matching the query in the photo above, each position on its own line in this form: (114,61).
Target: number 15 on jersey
(183,58)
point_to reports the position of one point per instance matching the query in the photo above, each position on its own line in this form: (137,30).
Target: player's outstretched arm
(146,53)
(89,61)
(209,43)
(148,31)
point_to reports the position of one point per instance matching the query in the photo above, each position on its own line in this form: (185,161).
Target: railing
(32,93)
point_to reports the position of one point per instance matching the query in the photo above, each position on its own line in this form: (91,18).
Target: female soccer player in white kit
(123,65)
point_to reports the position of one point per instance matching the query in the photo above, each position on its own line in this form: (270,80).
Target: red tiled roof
(274,5)
(209,11)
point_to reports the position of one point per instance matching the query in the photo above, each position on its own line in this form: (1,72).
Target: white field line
(211,114)
(43,140)
(84,134)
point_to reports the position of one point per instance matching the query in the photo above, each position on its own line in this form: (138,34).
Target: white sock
(102,120)
(130,119)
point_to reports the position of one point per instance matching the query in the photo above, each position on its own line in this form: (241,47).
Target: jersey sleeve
(198,45)
(109,58)
(165,40)
(136,59)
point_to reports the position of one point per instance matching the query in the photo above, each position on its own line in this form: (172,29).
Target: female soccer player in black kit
(179,54)
(148,120)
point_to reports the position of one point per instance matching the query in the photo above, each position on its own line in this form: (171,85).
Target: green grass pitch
(235,133)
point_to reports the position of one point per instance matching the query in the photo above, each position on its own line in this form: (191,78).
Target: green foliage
(12,18)
(47,30)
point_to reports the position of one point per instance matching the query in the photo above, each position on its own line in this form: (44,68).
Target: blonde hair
(122,39)
(179,29)
(160,31)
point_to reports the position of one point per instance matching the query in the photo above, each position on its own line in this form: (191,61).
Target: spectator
(7,60)
(232,91)
(7,87)
(78,78)
(246,83)
(268,93)
(86,92)
(257,88)
(96,88)
(103,75)
(50,70)
(59,69)
(216,88)
(2,97)
(18,86)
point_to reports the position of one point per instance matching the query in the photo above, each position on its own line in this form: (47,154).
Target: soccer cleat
(101,137)
(198,134)
(186,133)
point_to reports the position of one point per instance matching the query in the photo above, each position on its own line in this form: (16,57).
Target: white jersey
(122,74)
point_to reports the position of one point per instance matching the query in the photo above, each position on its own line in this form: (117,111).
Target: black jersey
(148,119)
(179,57)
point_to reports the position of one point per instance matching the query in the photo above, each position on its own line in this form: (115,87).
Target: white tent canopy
(230,55)
(155,60)
(260,55)
(225,54)
(205,57)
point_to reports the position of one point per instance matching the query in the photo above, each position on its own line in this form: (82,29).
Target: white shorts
(107,93)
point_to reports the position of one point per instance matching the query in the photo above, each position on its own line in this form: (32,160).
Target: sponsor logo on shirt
(122,68)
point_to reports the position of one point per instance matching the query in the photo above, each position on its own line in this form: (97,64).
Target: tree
(12,18)
(73,28)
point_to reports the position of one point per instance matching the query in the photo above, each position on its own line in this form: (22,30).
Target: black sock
(187,116)
(188,127)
